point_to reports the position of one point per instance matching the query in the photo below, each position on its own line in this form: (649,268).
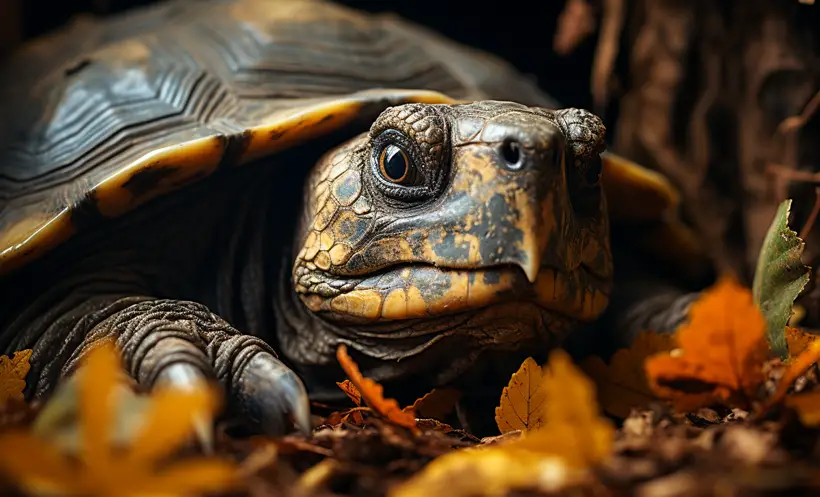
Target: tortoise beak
(531,263)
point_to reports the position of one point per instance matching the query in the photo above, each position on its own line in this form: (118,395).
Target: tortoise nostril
(511,152)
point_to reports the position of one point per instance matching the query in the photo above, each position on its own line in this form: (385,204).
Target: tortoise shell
(105,115)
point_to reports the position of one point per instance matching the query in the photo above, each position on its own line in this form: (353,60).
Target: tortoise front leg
(182,343)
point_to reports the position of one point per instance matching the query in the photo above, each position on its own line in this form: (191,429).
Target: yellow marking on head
(395,304)
(361,303)
(474,242)
(416,306)
(322,193)
(325,240)
(322,260)
(455,297)
(362,205)
(311,246)
(339,254)
(325,215)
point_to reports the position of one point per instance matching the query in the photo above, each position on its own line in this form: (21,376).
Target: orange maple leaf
(102,470)
(434,404)
(13,373)
(373,395)
(722,351)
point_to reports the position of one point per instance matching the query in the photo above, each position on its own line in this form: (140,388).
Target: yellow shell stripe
(181,164)
(636,193)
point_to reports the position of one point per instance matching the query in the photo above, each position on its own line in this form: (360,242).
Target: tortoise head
(488,207)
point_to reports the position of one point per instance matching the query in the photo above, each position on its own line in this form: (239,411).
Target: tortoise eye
(394,164)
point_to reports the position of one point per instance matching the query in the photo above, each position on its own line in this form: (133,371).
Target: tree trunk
(705,86)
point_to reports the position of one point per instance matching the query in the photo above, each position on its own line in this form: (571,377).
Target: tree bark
(705,88)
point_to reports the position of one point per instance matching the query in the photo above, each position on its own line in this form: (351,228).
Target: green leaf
(780,276)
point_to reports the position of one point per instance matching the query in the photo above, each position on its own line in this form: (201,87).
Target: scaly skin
(486,251)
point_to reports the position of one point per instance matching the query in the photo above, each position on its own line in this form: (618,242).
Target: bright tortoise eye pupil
(394,164)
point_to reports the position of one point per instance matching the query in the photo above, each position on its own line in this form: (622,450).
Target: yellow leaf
(572,438)
(797,340)
(13,373)
(96,389)
(104,470)
(573,429)
(192,477)
(167,426)
(488,472)
(622,385)
(35,464)
(722,351)
(522,400)
(807,406)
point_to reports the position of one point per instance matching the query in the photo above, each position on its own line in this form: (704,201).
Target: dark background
(518,30)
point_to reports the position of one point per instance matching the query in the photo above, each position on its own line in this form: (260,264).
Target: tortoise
(232,189)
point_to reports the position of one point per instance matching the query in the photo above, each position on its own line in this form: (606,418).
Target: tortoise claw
(272,396)
(187,377)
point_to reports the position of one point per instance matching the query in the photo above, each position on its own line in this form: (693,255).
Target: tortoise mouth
(421,290)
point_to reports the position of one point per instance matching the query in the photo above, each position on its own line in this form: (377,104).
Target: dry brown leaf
(522,400)
(622,385)
(352,416)
(572,438)
(13,371)
(104,470)
(373,395)
(723,348)
(435,404)
(351,391)
(797,340)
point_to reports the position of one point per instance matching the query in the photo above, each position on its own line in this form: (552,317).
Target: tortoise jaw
(423,291)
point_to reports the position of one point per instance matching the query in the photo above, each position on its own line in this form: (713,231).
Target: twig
(607,51)
(793,123)
(793,174)
(786,131)
(812,216)
(575,24)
